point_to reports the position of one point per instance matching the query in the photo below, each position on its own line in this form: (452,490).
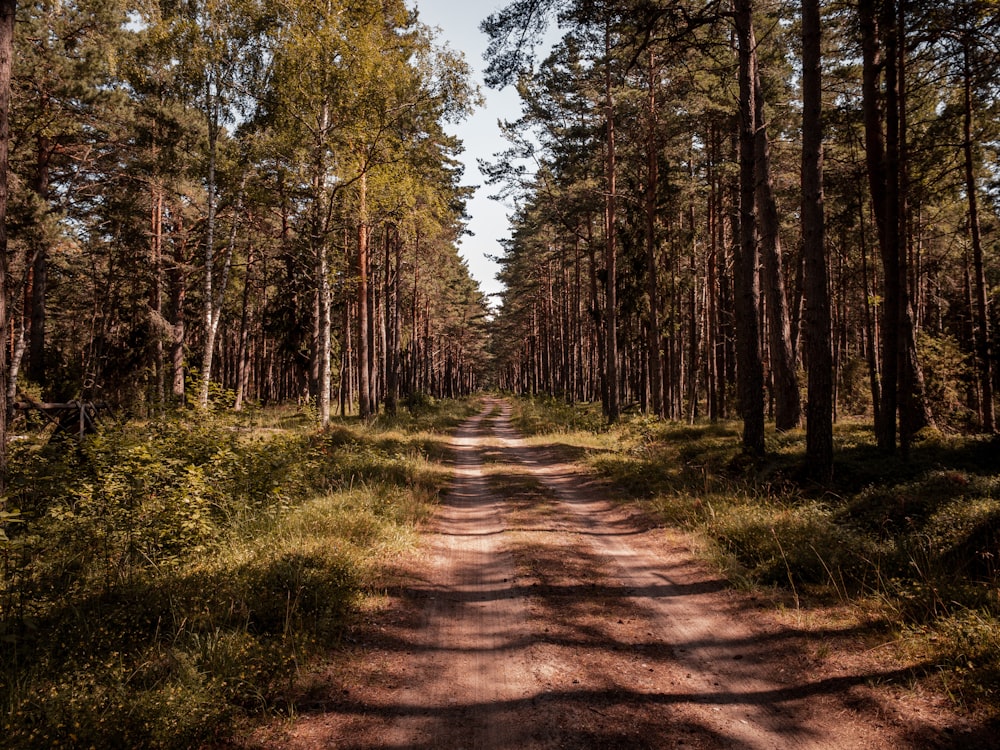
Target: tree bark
(984,357)
(652,280)
(178,295)
(158,365)
(750,371)
(871,322)
(210,312)
(881,156)
(39,266)
(213,307)
(612,407)
(914,413)
(819,358)
(787,405)
(323,326)
(7,11)
(243,345)
(364,353)
(393,264)
(320,246)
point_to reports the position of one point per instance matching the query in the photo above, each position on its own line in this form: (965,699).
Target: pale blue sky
(458,22)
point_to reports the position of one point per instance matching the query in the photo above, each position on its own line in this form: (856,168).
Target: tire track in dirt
(543,616)
(465,654)
(726,674)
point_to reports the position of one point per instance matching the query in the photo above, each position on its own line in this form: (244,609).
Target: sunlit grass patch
(966,645)
(175,575)
(543,415)
(422,413)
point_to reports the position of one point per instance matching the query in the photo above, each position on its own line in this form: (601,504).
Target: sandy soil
(541,615)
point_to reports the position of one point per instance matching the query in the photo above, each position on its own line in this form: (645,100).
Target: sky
(458,23)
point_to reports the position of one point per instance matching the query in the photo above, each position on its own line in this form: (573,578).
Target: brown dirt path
(543,616)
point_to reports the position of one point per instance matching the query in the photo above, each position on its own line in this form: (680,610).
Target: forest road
(544,616)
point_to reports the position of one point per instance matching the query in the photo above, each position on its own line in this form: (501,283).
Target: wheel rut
(542,615)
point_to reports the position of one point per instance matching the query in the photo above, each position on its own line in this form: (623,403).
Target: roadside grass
(168,579)
(911,543)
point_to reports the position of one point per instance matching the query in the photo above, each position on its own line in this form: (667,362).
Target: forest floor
(542,615)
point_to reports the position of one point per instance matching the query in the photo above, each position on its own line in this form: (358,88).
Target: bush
(799,544)
(172,576)
(542,415)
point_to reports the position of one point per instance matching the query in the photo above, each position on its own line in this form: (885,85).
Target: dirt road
(543,616)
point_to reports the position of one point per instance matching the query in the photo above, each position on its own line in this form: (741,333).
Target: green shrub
(798,544)
(172,576)
(968,644)
(542,415)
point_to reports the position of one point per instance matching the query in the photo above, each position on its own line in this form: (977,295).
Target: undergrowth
(914,542)
(166,579)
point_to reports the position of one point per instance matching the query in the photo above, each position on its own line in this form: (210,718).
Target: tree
(8,10)
(884,77)
(787,411)
(750,369)
(819,356)
(66,99)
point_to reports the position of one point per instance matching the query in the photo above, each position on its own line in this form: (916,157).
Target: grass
(914,543)
(170,578)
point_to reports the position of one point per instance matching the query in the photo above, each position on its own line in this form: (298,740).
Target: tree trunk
(692,379)
(213,308)
(984,356)
(39,265)
(712,368)
(871,322)
(323,329)
(178,294)
(243,346)
(7,11)
(364,380)
(882,160)
(210,312)
(652,280)
(612,407)
(788,409)
(819,403)
(914,413)
(158,365)
(393,263)
(750,371)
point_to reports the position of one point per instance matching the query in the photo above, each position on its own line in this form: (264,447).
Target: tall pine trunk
(914,414)
(364,352)
(750,371)
(7,11)
(882,164)
(40,263)
(652,280)
(819,357)
(612,408)
(178,296)
(787,405)
(983,354)
(243,339)
(320,248)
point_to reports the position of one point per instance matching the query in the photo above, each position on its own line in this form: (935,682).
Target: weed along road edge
(541,615)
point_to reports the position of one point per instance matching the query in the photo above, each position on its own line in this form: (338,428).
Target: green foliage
(948,374)
(173,576)
(968,644)
(541,415)
(800,544)
(423,413)
(6,517)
